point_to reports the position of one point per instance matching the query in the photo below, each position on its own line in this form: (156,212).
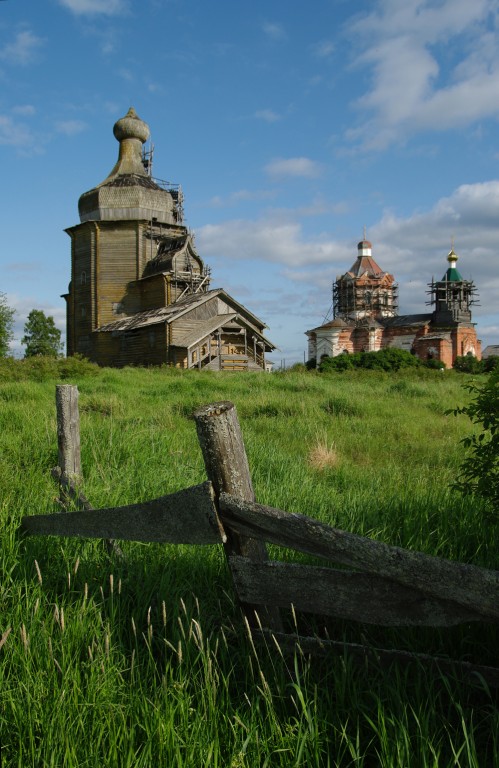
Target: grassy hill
(144,660)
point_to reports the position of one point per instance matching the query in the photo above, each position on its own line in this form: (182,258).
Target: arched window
(83,278)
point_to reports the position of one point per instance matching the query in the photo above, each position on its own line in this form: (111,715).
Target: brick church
(365,315)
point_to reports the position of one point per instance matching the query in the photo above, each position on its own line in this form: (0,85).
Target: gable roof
(183,306)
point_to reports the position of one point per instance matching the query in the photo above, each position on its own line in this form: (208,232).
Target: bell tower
(452,296)
(131,251)
(365,291)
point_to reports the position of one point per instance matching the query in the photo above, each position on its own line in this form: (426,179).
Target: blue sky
(290,127)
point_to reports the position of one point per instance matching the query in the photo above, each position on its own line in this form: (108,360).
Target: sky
(290,126)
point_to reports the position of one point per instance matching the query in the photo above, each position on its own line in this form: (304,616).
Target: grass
(145,660)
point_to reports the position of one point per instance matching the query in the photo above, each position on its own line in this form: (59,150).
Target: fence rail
(377,584)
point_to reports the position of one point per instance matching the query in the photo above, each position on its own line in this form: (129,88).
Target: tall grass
(144,660)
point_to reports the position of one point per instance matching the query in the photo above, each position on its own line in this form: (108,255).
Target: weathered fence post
(226,463)
(68,473)
(68,433)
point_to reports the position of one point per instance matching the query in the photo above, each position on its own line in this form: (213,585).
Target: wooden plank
(468,585)
(381,657)
(224,454)
(185,517)
(343,595)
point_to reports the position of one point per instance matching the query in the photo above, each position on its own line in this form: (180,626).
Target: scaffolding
(175,190)
(350,299)
(453,296)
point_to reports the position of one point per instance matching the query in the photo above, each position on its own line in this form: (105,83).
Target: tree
(41,336)
(480,469)
(6,325)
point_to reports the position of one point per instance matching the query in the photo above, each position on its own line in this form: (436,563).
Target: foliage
(41,337)
(6,325)
(468,364)
(43,368)
(480,470)
(388,359)
(490,363)
(342,362)
(434,364)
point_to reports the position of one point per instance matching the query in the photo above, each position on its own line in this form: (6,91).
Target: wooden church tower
(139,291)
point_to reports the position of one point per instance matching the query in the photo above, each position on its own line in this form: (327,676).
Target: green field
(144,660)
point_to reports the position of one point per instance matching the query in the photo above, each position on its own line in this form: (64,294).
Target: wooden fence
(377,584)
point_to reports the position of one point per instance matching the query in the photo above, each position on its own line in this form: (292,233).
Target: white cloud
(414,249)
(270,240)
(14,134)
(324,49)
(23,50)
(96,7)
(70,127)
(274,31)
(293,166)
(26,110)
(268,115)
(433,66)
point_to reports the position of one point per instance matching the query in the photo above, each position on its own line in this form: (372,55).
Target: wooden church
(365,315)
(139,292)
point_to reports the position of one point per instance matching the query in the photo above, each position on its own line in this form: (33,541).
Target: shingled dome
(128,192)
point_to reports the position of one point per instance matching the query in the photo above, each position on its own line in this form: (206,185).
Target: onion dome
(452,274)
(131,127)
(128,193)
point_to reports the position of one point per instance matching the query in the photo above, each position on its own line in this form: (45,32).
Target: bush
(490,363)
(338,363)
(44,368)
(389,359)
(480,469)
(468,364)
(434,364)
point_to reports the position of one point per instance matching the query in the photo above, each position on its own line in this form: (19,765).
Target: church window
(83,278)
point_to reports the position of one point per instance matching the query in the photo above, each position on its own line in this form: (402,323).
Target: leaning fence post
(226,463)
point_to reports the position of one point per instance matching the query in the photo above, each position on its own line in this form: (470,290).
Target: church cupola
(365,291)
(364,248)
(452,296)
(129,193)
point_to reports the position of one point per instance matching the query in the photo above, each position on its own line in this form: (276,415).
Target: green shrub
(389,359)
(434,364)
(468,364)
(480,468)
(490,363)
(339,363)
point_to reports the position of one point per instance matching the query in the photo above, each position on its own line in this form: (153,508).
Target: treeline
(392,359)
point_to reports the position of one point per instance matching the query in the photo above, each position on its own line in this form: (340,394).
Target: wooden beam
(468,585)
(227,467)
(185,517)
(343,594)
(379,657)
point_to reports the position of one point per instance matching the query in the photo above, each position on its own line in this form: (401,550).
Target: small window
(83,311)
(83,278)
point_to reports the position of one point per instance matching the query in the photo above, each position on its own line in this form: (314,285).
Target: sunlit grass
(144,660)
